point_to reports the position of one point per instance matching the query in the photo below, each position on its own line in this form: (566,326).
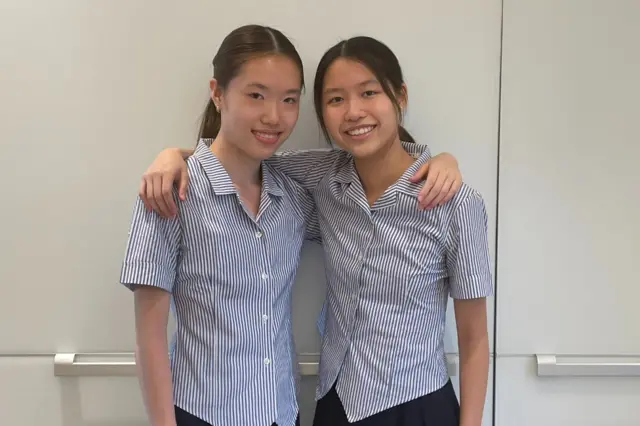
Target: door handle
(124,364)
(587,366)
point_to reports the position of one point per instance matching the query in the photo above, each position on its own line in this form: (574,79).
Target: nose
(271,114)
(354,110)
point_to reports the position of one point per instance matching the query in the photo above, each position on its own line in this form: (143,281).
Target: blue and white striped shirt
(390,269)
(230,276)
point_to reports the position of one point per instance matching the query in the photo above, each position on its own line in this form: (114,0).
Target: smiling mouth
(267,137)
(360,131)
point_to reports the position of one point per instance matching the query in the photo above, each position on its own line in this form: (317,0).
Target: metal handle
(588,366)
(124,364)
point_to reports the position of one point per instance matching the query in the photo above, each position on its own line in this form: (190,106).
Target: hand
(443,180)
(156,186)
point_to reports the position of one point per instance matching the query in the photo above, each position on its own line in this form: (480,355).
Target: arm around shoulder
(307,166)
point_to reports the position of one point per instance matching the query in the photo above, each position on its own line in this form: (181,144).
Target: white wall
(91,91)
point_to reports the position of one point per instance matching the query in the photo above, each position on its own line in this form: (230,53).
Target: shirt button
(258,234)
(264,276)
(265,317)
(267,361)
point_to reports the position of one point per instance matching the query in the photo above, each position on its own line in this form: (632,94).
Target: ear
(215,92)
(403,97)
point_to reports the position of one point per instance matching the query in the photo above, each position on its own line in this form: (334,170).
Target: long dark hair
(239,46)
(380,60)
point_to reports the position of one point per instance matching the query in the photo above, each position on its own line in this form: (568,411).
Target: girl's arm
(149,270)
(441,175)
(305,166)
(154,373)
(169,168)
(470,282)
(473,343)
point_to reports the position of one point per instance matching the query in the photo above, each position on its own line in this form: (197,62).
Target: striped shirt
(230,277)
(390,270)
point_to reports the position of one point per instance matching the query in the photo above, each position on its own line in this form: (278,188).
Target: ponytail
(211,120)
(404,135)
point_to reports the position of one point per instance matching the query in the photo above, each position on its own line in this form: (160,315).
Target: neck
(381,170)
(243,170)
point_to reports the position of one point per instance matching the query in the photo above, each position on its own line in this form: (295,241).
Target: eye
(291,101)
(369,93)
(256,95)
(334,100)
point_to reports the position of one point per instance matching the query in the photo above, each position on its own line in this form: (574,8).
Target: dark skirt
(187,419)
(439,408)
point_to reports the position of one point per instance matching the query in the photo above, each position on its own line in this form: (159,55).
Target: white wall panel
(569,229)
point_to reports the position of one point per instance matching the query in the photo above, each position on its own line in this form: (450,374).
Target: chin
(264,152)
(362,151)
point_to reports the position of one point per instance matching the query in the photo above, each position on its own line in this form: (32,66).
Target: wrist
(184,153)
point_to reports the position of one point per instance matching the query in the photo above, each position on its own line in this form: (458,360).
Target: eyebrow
(265,88)
(364,83)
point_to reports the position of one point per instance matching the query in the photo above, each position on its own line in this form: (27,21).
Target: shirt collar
(219,178)
(403,184)
(347,173)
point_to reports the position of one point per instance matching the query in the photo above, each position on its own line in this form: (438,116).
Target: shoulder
(342,160)
(194,166)
(467,209)
(467,205)
(201,175)
(465,197)
(311,155)
(283,181)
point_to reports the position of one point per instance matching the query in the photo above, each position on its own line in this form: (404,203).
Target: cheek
(290,117)
(333,120)
(388,114)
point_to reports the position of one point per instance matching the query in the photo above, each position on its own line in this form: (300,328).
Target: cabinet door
(525,399)
(569,227)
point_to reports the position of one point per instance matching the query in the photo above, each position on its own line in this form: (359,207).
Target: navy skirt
(439,408)
(187,419)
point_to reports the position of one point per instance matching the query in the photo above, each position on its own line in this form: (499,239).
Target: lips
(360,130)
(267,136)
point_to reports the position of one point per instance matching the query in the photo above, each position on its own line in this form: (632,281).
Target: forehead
(345,73)
(276,72)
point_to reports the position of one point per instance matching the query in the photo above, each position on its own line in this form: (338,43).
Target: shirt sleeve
(153,245)
(307,167)
(468,261)
(307,205)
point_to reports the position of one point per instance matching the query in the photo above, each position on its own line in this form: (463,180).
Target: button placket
(265,314)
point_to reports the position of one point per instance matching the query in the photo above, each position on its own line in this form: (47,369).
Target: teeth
(263,135)
(360,131)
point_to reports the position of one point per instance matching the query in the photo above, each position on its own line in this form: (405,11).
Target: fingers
(142,193)
(167,196)
(163,209)
(421,172)
(151,200)
(456,183)
(184,182)
(430,194)
(445,194)
(426,188)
